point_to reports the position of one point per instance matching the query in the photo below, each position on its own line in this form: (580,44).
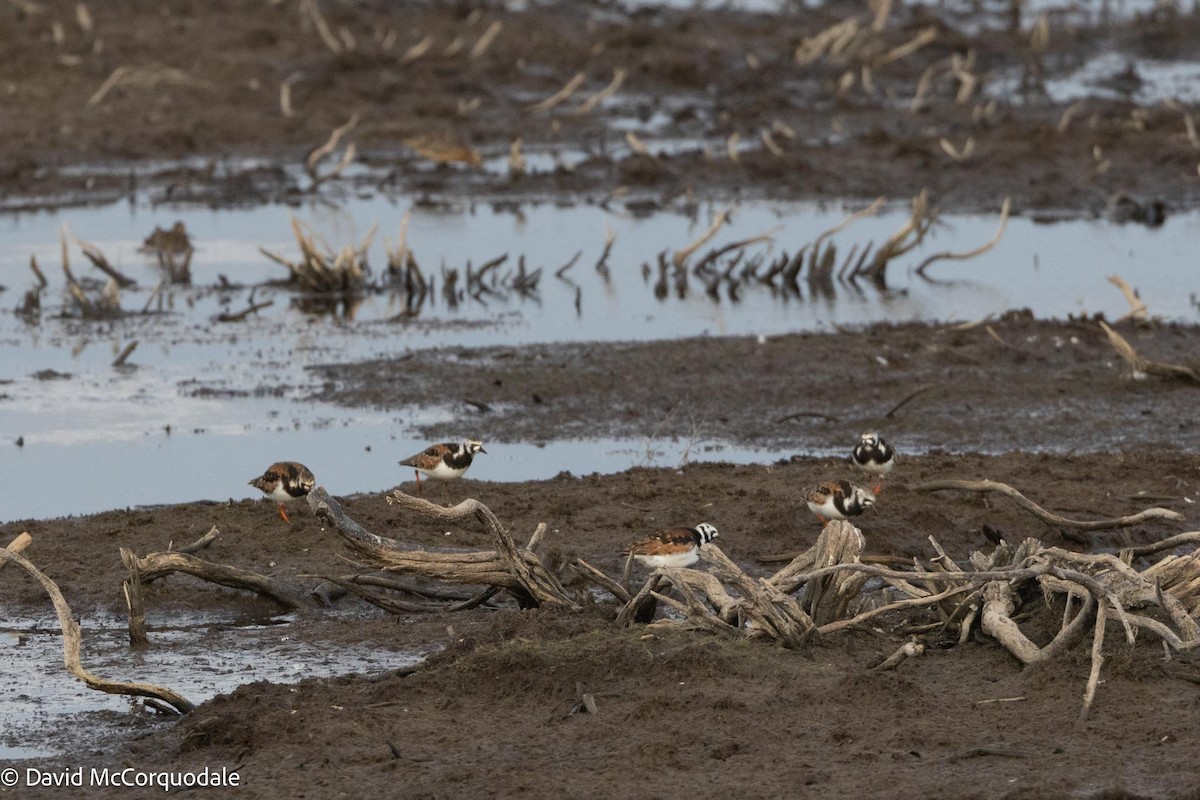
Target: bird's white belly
(669,559)
(442,472)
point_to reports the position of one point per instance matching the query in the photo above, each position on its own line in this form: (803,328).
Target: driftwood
(828,597)
(986,596)
(1048,517)
(17,545)
(519,571)
(143,570)
(72,643)
(1141,367)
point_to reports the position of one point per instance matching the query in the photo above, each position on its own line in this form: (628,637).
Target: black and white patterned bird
(285,482)
(875,457)
(673,547)
(444,462)
(838,500)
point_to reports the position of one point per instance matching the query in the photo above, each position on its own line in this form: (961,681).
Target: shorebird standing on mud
(875,457)
(285,482)
(444,462)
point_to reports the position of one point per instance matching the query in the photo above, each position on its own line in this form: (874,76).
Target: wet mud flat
(694,713)
(989,386)
(673,106)
(650,104)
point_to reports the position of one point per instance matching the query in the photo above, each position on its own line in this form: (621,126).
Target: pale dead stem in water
(978,251)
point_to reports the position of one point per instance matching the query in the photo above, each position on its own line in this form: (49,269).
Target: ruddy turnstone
(874,456)
(284,482)
(673,547)
(838,500)
(444,462)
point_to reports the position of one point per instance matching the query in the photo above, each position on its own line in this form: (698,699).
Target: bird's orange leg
(418,474)
(283,514)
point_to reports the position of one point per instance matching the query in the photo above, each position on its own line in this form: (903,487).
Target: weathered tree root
(72,642)
(1049,517)
(518,571)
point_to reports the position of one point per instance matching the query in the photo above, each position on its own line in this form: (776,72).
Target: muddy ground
(166,101)
(678,714)
(172,97)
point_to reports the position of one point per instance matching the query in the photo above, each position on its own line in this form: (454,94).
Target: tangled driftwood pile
(822,591)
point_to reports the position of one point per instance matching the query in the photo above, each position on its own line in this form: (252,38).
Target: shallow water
(196,659)
(205,406)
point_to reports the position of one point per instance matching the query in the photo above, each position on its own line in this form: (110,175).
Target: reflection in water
(227,392)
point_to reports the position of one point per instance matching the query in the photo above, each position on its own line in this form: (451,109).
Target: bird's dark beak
(483,451)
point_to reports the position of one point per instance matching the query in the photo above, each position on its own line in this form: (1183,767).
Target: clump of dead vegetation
(87,298)
(345,275)
(816,268)
(172,248)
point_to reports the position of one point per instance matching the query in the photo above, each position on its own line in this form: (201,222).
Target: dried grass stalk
(561,95)
(599,97)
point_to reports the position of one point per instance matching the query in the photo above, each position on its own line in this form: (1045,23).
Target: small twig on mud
(978,251)
(968,148)
(991,332)
(918,391)
(561,95)
(142,77)
(799,414)
(1048,517)
(599,97)
(332,42)
(1141,367)
(907,651)
(285,93)
(1068,114)
(485,40)
(331,144)
(991,700)
(198,545)
(731,147)
(987,750)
